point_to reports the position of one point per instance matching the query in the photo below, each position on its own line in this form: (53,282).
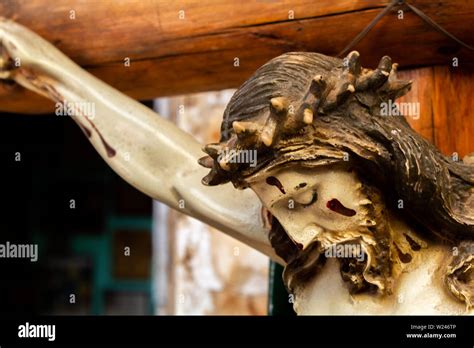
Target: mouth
(361,267)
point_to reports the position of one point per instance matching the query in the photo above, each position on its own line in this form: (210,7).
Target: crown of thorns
(286,95)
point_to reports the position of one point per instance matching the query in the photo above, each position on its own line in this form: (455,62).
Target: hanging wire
(415,10)
(438,27)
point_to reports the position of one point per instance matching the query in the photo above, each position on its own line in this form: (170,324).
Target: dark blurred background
(93,230)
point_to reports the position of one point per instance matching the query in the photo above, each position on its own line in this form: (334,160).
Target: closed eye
(314,199)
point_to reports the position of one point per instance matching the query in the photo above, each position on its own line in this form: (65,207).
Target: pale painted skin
(151,153)
(326,184)
(418,286)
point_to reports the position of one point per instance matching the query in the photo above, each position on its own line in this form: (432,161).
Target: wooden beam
(178,47)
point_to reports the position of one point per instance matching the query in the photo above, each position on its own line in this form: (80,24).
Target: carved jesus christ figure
(335,173)
(366,216)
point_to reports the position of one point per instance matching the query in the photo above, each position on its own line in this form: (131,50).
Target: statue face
(330,206)
(303,108)
(311,202)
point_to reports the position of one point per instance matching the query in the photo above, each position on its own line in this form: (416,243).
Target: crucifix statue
(366,216)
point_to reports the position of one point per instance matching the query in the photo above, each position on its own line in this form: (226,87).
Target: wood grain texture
(422,93)
(454,111)
(446,107)
(172,56)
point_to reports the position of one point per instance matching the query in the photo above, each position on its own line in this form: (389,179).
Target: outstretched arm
(147,151)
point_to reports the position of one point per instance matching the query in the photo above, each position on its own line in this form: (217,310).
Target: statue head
(310,135)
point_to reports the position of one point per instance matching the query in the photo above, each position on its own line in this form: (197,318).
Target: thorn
(238,127)
(318,79)
(268,131)
(224,164)
(401,84)
(354,62)
(212,149)
(338,96)
(344,92)
(213,178)
(206,181)
(224,161)
(393,72)
(279,104)
(266,139)
(385,64)
(308,116)
(399,87)
(373,79)
(376,78)
(5,75)
(317,86)
(241,127)
(206,161)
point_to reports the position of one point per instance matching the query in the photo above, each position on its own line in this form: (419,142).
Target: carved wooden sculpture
(333,170)
(330,172)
